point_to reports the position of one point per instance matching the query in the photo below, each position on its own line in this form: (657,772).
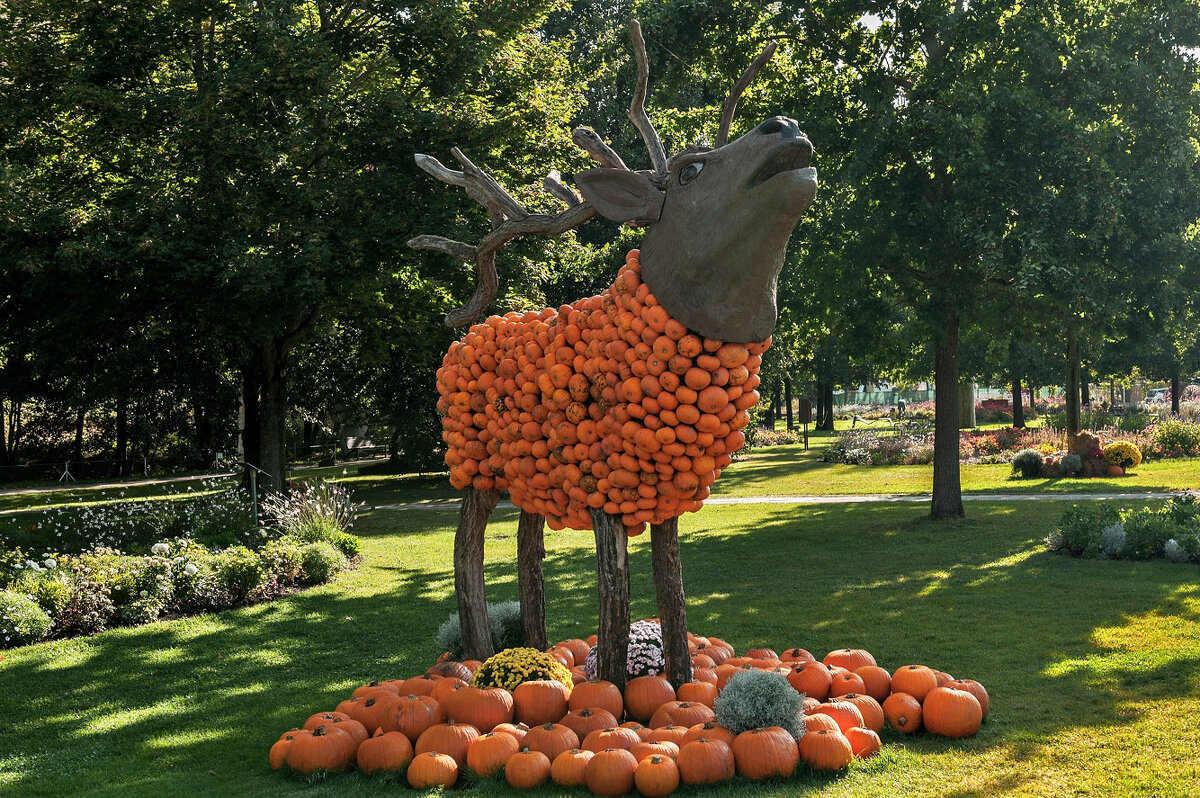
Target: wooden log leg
(477,505)
(531,550)
(612,566)
(672,610)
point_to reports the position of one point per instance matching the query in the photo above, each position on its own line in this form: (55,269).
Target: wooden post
(612,584)
(531,550)
(672,608)
(477,505)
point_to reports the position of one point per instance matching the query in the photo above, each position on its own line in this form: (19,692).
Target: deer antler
(509,218)
(637,107)
(732,100)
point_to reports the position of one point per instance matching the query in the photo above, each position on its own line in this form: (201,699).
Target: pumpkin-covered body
(606,404)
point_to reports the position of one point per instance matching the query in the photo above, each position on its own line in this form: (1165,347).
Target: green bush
(89,609)
(1147,531)
(284,560)
(22,621)
(504,623)
(240,571)
(1177,437)
(1081,525)
(347,544)
(1028,463)
(321,561)
(756,698)
(1070,465)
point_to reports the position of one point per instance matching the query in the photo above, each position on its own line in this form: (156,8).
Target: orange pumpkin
(610,772)
(656,775)
(705,761)
(903,712)
(826,750)
(974,688)
(389,752)
(712,730)
(951,713)
(811,678)
(819,720)
(765,753)
(847,682)
(323,748)
(569,768)
(585,721)
(849,658)
(482,707)
(864,743)
(645,748)
(432,769)
(697,692)
(597,693)
(551,739)
(526,769)
(844,713)
(872,711)
(877,682)
(612,737)
(916,680)
(488,753)
(451,738)
(645,694)
(681,713)
(540,701)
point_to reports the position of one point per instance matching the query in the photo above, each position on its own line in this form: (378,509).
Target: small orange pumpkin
(551,739)
(826,750)
(569,768)
(389,752)
(765,753)
(916,680)
(864,743)
(488,753)
(526,769)
(951,713)
(903,712)
(432,769)
(656,775)
(705,761)
(610,772)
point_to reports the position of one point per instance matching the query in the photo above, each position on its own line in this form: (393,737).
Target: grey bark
(477,505)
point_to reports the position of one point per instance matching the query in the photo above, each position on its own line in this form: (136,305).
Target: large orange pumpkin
(705,761)
(849,658)
(864,742)
(903,712)
(656,775)
(540,701)
(610,772)
(569,769)
(877,682)
(681,713)
(451,738)
(597,693)
(612,737)
(765,753)
(482,707)
(645,694)
(811,678)
(951,713)
(488,753)
(974,688)
(432,769)
(389,752)
(826,750)
(585,721)
(551,739)
(916,680)
(526,769)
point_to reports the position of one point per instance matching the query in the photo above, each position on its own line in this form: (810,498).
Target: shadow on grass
(195,704)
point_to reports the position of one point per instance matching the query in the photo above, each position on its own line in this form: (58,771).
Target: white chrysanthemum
(1174,552)
(1112,539)
(161,549)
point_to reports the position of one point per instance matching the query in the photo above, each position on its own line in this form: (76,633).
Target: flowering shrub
(311,512)
(513,666)
(774,437)
(867,447)
(991,410)
(1123,453)
(1176,438)
(22,621)
(644,656)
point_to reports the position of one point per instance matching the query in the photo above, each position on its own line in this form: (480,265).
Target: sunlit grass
(1093,666)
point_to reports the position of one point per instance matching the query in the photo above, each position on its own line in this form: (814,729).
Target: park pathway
(857,498)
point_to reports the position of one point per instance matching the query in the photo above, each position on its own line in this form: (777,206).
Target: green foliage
(22,621)
(283,559)
(1177,437)
(347,544)
(1028,462)
(322,561)
(753,699)
(504,624)
(1079,528)
(1142,533)
(1070,465)
(1147,530)
(240,571)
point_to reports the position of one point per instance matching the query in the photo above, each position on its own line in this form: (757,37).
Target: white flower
(161,549)
(190,569)
(51,562)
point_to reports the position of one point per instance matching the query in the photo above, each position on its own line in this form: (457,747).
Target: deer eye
(688,173)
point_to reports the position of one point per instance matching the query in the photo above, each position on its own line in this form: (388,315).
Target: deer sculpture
(619,410)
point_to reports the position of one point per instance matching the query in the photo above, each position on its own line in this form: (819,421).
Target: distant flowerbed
(109,565)
(1101,529)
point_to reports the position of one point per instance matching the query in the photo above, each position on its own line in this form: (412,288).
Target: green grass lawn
(1093,666)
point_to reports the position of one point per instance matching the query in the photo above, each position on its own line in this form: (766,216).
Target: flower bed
(1102,529)
(82,583)
(759,716)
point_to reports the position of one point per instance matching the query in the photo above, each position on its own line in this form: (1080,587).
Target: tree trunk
(1072,384)
(947,489)
(1175,388)
(820,409)
(1033,392)
(827,419)
(1085,393)
(5,457)
(77,452)
(122,439)
(966,406)
(1018,404)
(251,384)
(272,412)
(769,409)
(477,505)
(672,608)
(612,586)
(531,550)
(787,398)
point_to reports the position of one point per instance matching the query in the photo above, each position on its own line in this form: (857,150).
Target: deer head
(719,218)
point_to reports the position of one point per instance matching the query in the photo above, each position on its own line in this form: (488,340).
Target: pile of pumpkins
(432,727)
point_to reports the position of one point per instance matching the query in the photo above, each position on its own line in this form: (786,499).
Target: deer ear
(621,195)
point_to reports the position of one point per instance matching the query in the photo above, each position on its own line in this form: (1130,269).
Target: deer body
(607,404)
